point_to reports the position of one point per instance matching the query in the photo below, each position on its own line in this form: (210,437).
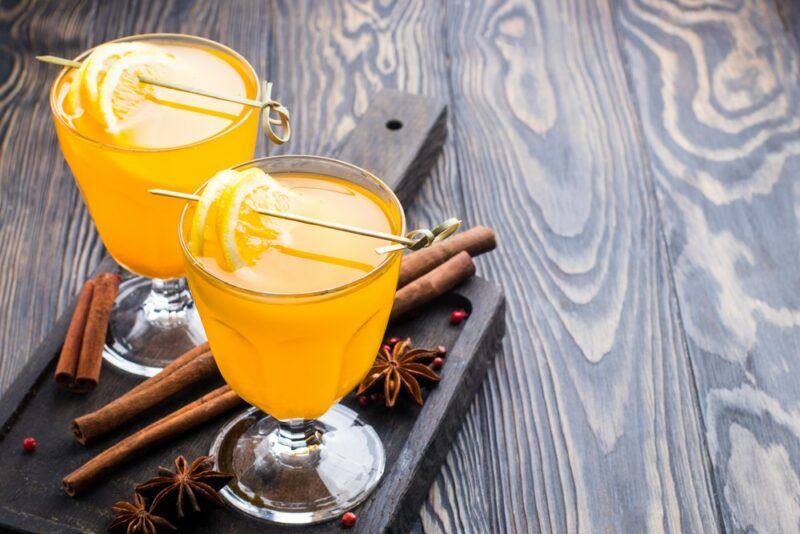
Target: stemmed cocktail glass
(298,456)
(189,139)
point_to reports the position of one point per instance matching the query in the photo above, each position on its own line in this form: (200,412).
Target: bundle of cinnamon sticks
(81,358)
(433,271)
(424,275)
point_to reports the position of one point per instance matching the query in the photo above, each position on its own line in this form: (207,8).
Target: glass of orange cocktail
(121,138)
(295,315)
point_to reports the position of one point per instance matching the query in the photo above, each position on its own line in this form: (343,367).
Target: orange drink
(284,341)
(122,137)
(295,315)
(169,139)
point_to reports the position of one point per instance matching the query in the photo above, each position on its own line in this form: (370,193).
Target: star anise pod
(399,367)
(196,482)
(137,519)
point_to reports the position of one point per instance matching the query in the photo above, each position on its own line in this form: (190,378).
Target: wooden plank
(397,502)
(415,439)
(720,110)
(590,420)
(399,139)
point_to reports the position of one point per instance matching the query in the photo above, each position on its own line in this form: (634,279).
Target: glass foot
(298,471)
(153,322)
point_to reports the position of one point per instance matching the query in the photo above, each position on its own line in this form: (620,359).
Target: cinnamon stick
(203,409)
(433,284)
(88,428)
(475,241)
(173,366)
(71,350)
(87,373)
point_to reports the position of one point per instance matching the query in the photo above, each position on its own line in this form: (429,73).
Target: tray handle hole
(394,124)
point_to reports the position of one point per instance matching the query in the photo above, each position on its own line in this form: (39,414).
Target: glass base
(300,471)
(152,323)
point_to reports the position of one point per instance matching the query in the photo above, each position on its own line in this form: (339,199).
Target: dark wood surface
(639,160)
(415,439)
(727,180)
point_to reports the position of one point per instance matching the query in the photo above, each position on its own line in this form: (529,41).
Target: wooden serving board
(416,439)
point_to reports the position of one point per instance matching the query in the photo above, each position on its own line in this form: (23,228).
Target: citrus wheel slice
(105,85)
(101,59)
(121,90)
(75,89)
(242,233)
(208,198)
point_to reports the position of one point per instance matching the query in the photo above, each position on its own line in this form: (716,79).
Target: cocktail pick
(413,240)
(267,106)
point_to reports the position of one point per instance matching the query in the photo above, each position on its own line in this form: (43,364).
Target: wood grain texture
(590,422)
(398,138)
(720,109)
(331,58)
(638,159)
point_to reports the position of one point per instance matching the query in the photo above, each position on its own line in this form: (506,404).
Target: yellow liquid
(295,356)
(172,140)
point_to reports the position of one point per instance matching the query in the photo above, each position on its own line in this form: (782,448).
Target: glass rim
(336,289)
(54,108)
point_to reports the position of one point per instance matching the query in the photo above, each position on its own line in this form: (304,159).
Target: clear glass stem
(296,442)
(297,434)
(153,322)
(167,302)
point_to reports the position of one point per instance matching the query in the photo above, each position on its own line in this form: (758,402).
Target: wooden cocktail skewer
(267,103)
(419,238)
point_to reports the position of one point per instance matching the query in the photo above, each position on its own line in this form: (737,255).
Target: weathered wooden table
(640,161)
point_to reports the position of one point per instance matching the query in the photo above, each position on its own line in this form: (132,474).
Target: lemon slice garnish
(101,59)
(121,90)
(75,89)
(106,84)
(242,233)
(208,197)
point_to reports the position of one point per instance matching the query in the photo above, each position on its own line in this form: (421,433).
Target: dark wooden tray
(416,439)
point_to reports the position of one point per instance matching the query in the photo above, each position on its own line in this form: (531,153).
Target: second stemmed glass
(294,355)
